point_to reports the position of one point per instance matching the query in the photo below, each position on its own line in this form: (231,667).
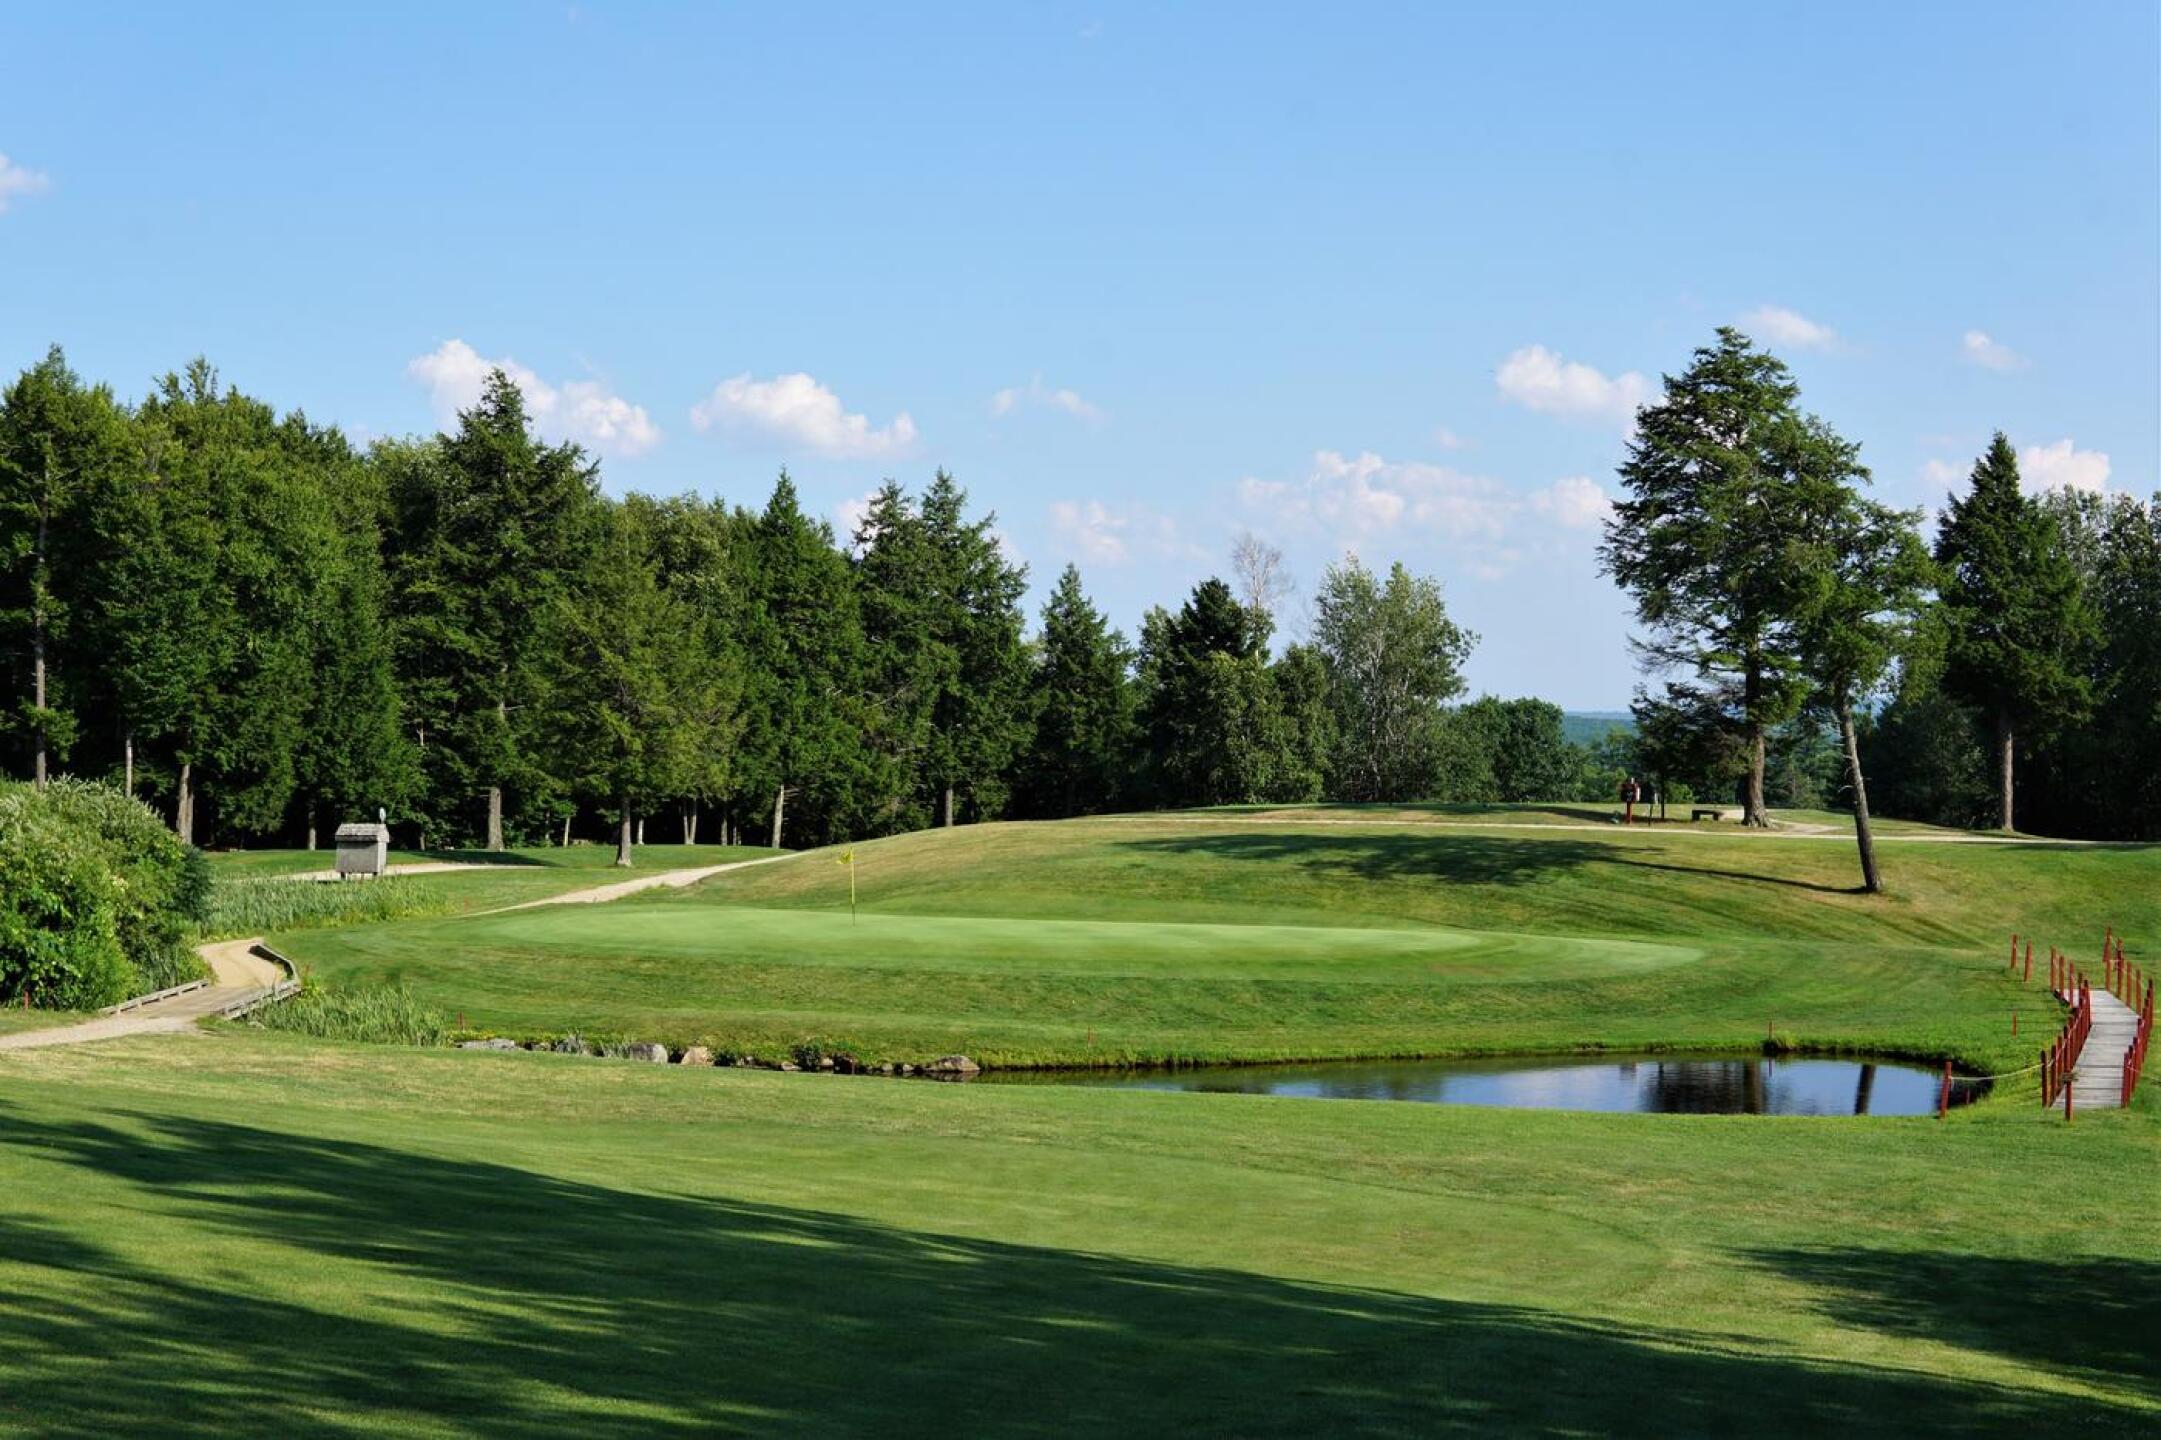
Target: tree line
(2011,668)
(245,620)
(241,618)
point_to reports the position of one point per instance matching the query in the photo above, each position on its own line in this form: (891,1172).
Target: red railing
(2059,1063)
(2129,983)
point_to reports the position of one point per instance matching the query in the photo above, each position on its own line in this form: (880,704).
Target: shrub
(151,886)
(380,1014)
(59,922)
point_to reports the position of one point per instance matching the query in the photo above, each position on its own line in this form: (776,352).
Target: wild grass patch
(378,1014)
(257,907)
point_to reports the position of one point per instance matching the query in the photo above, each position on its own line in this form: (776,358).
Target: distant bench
(1710,813)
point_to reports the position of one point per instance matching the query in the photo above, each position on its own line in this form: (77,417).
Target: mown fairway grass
(258,1234)
(244,1231)
(1177,938)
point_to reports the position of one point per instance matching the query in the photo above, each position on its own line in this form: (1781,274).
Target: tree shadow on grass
(1486,859)
(441,1293)
(2099,1318)
(1397,855)
(1745,876)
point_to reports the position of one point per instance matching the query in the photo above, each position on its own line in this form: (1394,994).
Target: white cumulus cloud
(2062,466)
(1349,498)
(1036,394)
(18,180)
(1355,502)
(796,410)
(1943,472)
(1989,354)
(1780,326)
(584,411)
(1573,502)
(1103,534)
(1539,379)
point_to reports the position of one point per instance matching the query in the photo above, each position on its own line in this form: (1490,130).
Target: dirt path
(669,879)
(236,974)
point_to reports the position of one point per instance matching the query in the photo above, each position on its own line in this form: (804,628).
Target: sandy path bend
(236,975)
(670,879)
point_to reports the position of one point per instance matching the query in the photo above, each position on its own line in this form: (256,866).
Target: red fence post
(1943,1096)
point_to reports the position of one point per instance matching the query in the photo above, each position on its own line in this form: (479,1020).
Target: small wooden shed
(362,850)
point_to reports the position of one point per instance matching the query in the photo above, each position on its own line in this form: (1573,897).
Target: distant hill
(1587,727)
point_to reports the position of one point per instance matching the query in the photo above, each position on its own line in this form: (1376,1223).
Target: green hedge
(96,897)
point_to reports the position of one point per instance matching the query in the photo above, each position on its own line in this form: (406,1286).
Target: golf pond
(1643,1084)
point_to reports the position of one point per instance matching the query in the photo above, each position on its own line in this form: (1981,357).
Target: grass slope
(254,1234)
(1109,941)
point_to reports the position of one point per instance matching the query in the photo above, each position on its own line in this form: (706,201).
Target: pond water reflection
(1646,1084)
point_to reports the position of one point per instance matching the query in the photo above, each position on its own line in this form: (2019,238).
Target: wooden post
(2014,1024)
(2014,950)
(2029,962)
(1943,1096)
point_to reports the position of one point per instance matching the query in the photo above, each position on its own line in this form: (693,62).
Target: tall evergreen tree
(1080,697)
(1208,707)
(634,704)
(909,658)
(490,528)
(698,548)
(806,663)
(2019,623)
(977,720)
(1701,540)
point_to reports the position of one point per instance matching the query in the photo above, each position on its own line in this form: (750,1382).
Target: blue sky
(1374,277)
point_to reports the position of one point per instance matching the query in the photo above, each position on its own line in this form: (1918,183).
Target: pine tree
(806,665)
(1206,701)
(977,720)
(2019,623)
(909,658)
(633,703)
(490,528)
(697,547)
(1080,698)
(1701,539)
